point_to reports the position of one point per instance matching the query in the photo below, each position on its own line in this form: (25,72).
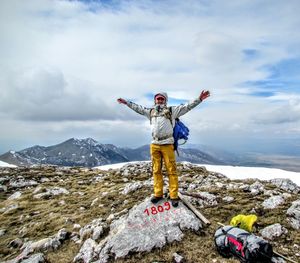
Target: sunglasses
(160,98)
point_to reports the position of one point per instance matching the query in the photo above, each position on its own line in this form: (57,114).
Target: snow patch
(3,164)
(232,172)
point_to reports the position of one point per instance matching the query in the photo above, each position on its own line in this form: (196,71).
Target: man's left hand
(204,95)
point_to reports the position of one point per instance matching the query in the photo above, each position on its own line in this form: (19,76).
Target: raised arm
(137,108)
(184,108)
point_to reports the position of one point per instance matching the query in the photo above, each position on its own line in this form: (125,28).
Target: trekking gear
(245,222)
(180,131)
(185,201)
(155,199)
(248,248)
(161,94)
(175,202)
(160,153)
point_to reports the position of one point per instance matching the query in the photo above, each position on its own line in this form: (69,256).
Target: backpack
(180,131)
(248,248)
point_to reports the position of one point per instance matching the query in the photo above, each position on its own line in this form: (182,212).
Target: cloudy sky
(64,63)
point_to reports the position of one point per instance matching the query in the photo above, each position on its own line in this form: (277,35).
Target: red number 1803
(154,210)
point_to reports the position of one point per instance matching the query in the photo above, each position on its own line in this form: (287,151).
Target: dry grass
(35,219)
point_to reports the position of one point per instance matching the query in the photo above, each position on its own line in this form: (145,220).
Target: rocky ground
(61,214)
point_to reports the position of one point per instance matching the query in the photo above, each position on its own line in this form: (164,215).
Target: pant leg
(156,157)
(170,163)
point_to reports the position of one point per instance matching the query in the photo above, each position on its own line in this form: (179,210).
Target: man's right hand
(122,101)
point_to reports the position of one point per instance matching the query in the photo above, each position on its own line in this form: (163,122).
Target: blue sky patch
(250,54)
(283,77)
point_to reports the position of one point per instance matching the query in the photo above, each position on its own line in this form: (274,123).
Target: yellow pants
(164,153)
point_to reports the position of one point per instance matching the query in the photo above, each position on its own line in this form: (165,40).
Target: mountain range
(89,153)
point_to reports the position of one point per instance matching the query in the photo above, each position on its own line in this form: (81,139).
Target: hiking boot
(175,202)
(155,199)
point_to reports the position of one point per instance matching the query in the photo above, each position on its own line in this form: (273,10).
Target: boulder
(145,227)
(204,199)
(54,191)
(273,202)
(256,188)
(14,196)
(93,230)
(228,199)
(2,232)
(131,187)
(294,214)
(36,258)
(87,252)
(21,183)
(286,185)
(273,231)
(178,258)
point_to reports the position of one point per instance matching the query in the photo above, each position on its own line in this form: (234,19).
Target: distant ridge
(89,153)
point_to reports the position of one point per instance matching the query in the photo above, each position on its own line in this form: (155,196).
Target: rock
(256,188)
(205,199)
(93,230)
(52,192)
(273,202)
(75,238)
(21,183)
(39,245)
(44,180)
(36,258)
(145,227)
(76,226)
(286,185)
(10,208)
(294,214)
(273,231)
(52,244)
(37,190)
(87,252)
(62,234)
(228,199)
(192,187)
(178,258)
(14,196)
(110,218)
(131,187)
(98,231)
(94,201)
(62,202)
(2,232)
(277,260)
(49,243)
(3,188)
(16,243)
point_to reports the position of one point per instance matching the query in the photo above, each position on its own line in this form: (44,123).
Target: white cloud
(67,61)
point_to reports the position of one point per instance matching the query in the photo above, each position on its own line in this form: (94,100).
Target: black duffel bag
(233,241)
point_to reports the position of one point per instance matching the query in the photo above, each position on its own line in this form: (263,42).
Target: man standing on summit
(162,120)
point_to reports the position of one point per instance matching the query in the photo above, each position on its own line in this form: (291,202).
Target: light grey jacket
(161,127)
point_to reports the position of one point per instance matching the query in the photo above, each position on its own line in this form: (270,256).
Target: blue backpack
(180,131)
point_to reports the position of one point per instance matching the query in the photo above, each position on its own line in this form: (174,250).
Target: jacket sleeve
(184,108)
(139,109)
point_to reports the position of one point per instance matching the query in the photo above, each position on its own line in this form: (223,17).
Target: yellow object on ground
(244,221)
(166,153)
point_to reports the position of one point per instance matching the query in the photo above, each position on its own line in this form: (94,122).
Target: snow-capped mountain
(89,153)
(73,152)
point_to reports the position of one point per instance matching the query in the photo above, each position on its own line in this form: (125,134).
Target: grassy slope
(43,218)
